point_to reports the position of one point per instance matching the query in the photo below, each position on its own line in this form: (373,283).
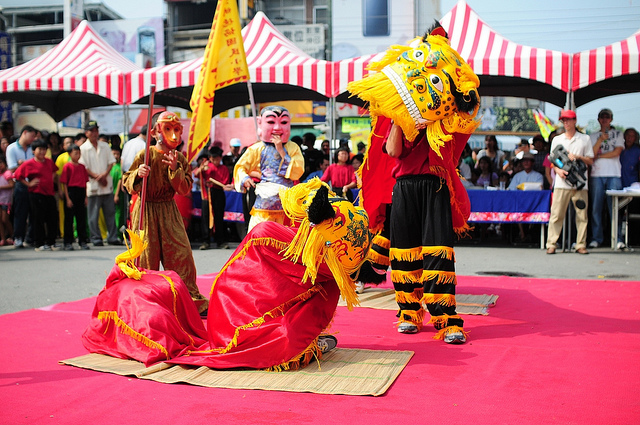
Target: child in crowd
(74,180)
(6,193)
(39,174)
(118,199)
(341,173)
(215,179)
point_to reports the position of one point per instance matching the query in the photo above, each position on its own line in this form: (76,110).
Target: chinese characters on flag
(224,64)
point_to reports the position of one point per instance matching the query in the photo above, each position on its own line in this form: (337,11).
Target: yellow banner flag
(224,64)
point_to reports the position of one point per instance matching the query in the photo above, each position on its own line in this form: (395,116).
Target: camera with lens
(576,169)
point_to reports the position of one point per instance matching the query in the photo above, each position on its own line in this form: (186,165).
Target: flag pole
(224,63)
(253,108)
(143,193)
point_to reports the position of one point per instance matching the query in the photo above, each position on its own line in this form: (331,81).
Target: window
(286,12)
(375,18)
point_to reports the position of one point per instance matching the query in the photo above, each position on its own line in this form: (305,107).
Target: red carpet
(550,352)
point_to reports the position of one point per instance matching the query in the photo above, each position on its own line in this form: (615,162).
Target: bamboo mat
(341,371)
(384,299)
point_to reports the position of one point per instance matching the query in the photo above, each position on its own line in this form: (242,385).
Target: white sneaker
(594,244)
(620,246)
(359,287)
(43,248)
(407,328)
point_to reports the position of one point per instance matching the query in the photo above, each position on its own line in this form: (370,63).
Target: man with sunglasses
(607,144)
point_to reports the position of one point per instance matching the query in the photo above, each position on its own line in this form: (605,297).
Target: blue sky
(570,26)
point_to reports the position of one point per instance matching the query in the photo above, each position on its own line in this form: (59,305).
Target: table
(233,210)
(511,206)
(620,199)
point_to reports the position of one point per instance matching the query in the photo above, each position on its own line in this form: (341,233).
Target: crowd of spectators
(616,166)
(96,210)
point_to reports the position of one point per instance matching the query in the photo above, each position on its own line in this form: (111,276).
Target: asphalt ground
(30,279)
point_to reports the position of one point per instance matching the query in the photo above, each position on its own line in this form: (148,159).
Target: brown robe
(163,225)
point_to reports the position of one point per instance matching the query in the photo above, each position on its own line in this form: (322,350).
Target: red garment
(379,170)
(149,320)
(219,173)
(74,175)
(31,169)
(339,175)
(260,314)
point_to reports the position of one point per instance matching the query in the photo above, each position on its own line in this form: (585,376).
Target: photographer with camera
(578,146)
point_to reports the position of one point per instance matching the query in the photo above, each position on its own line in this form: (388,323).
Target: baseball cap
(605,111)
(567,114)
(235,142)
(91,125)
(528,155)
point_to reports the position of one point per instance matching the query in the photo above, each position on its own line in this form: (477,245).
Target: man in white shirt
(17,153)
(98,159)
(607,144)
(579,147)
(131,149)
(129,152)
(528,174)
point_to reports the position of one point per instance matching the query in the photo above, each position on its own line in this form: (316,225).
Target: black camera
(576,169)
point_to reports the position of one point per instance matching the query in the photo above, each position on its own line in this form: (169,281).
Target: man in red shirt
(39,174)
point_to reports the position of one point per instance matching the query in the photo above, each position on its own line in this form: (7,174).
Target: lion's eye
(436,82)
(418,55)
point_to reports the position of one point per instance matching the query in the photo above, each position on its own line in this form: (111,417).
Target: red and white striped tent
(606,71)
(505,68)
(81,72)
(279,71)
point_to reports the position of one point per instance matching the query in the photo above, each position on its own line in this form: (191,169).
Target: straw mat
(341,371)
(384,299)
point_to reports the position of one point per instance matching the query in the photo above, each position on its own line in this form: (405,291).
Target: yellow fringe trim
(450,329)
(418,253)
(442,277)
(378,258)
(275,243)
(416,317)
(443,319)
(299,361)
(421,276)
(409,297)
(400,276)
(411,254)
(126,260)
(442,299)
(438,251)
(381,241)
(346,285)
(277,311)
(127,330)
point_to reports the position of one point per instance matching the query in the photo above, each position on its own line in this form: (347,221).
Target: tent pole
(568,101)
(332,127)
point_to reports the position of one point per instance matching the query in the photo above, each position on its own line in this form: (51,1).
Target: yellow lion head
(426,84)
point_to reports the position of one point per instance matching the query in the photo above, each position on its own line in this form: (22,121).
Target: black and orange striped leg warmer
(406,276)
(440,290)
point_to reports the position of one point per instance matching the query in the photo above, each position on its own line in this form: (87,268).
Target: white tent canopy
(83,71)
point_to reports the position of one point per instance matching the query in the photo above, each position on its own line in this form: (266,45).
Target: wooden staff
(143,193)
